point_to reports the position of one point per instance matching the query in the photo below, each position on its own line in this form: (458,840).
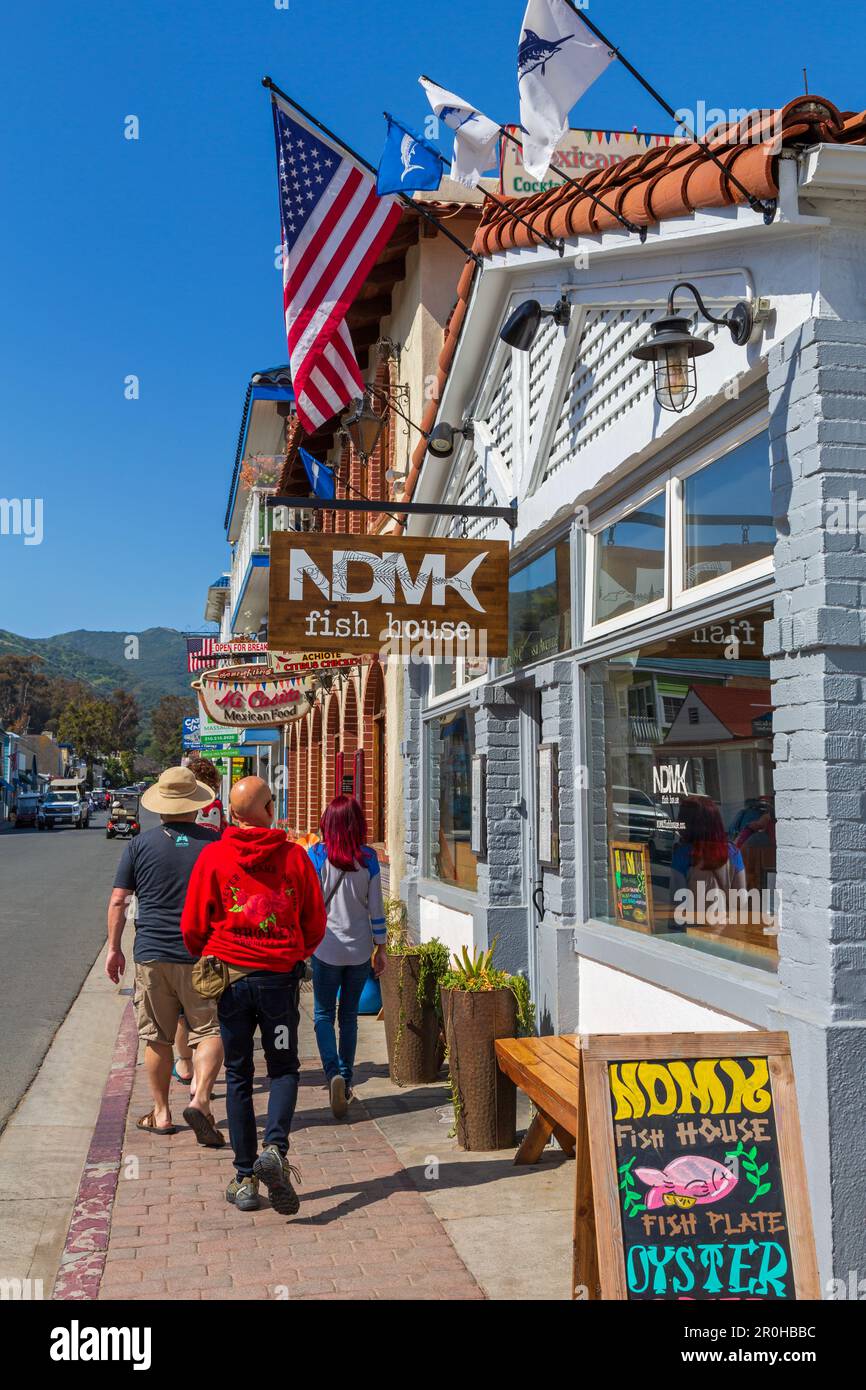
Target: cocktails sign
(251,697)
(387,594)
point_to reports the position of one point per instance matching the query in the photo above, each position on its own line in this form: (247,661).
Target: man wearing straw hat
(156,867)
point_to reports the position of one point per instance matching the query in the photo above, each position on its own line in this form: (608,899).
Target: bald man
(254,902)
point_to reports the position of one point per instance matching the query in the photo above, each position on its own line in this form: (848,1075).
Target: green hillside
(156,666)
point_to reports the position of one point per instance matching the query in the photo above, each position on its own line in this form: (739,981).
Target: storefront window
(728,521)
(539,607)
(450,745)
(630,561)
(682,791)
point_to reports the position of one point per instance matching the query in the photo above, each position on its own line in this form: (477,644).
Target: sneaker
(243,1192)
(339,1102)
(277,1174)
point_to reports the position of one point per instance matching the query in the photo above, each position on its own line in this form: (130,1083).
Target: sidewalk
(390,1207)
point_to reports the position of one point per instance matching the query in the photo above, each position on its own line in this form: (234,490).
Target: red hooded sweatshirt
(254,900)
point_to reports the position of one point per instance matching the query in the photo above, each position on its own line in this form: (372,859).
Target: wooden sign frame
(397,594)
(641,848)
(599,1265)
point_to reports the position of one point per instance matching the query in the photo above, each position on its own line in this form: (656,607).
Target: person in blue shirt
(348,871)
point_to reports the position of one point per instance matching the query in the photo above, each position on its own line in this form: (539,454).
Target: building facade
(686,647)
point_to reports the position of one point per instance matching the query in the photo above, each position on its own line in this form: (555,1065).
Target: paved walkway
(364,1231)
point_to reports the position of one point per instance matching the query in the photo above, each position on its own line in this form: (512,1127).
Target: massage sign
(251,696)
(696,1184)
(393,595)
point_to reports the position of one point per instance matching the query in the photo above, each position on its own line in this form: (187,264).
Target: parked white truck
(66,803)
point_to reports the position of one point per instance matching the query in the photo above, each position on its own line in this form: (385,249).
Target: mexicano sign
(250,697)
(382,593)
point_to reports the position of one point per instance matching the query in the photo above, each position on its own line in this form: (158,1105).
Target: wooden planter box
(485,1098)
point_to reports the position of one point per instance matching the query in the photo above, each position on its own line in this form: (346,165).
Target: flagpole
(767,209)
(353,154)
(567,178)
(555,245)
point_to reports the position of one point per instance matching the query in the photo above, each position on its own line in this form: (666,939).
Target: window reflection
(728,513)
(683,791)
(630,561)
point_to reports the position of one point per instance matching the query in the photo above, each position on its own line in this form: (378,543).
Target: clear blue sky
(156,257)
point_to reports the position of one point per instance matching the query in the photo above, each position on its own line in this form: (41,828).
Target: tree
(24,693)
(166,728)
(88,725)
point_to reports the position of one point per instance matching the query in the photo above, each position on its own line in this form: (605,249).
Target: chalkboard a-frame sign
(691,1182)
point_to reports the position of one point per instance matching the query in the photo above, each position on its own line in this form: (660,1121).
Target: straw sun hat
(176,793)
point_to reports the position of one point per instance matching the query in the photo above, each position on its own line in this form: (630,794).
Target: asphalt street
(54,889)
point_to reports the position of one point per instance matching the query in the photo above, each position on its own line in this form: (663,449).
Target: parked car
(637,817)
(29,810)
(66,804)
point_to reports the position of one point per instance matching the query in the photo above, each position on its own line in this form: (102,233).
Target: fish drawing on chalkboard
(686,1182)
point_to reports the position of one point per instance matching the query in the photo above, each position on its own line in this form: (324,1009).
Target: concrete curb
(86,1245)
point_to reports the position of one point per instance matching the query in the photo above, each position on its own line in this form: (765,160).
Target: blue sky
(156,257)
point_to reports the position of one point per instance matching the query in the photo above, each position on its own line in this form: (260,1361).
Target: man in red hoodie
(254,901)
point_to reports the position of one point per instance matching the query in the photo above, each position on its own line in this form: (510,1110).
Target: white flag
(557,59)
(475,136)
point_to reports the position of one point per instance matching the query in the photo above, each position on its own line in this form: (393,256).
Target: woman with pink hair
(348,871)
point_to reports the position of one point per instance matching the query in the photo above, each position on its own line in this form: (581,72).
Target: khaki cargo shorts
(163,991)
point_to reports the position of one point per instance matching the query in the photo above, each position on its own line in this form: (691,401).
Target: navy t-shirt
(156,866)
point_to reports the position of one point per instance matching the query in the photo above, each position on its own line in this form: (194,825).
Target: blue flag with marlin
(320,475)
(408,163)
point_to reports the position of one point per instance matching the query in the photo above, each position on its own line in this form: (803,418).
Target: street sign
(190,733)
(388,594)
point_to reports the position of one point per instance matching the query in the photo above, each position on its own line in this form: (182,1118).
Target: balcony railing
(258,525)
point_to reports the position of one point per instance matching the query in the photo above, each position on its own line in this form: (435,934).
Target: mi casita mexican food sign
(388,594)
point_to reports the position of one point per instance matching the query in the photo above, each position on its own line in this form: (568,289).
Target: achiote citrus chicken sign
(250,696)
(388,594)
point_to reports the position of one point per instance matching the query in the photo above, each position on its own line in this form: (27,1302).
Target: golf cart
(123,818)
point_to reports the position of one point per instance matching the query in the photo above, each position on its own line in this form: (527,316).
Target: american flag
(333,227)
(199,653)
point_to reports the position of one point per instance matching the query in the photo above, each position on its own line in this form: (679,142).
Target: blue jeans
(270,1001)
(350,981)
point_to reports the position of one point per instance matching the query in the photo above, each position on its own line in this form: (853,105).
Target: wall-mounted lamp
(440,440)
(673,349)
(521,327)
(363,426)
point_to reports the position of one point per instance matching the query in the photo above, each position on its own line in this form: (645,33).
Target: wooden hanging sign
(388,594)
(691,1182)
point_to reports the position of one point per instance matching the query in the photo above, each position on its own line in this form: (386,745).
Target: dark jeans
(350,981)
(270,1001)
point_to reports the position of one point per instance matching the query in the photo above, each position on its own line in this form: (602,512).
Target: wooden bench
(547,1070)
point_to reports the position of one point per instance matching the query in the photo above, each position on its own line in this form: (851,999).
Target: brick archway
(332,744)
(303,776)
(375,779)
(316,751)
(292,779)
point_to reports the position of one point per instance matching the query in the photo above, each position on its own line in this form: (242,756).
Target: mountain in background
(99,659)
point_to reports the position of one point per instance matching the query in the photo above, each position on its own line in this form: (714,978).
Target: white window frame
(459,688)
(593,629)
(723,444)
(671,483)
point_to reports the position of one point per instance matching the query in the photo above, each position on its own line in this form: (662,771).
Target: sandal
(148,1123)
(204,1128)
(184,1080)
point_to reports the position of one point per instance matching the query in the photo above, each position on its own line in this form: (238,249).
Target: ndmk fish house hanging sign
(246,700)
(388,594)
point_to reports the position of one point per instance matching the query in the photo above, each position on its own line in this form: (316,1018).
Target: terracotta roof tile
(673,180)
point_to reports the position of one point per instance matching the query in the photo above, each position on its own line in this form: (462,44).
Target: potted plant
(479,1005)
(410,1001)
